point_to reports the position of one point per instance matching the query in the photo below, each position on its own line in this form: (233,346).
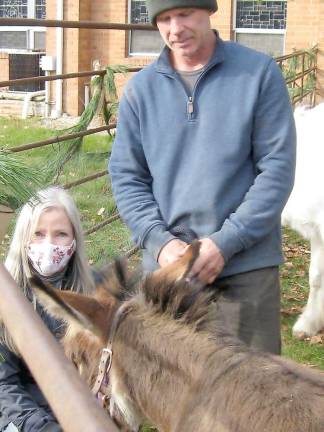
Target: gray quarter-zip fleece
(219,161)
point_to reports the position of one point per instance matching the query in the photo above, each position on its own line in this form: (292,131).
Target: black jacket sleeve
(20,398)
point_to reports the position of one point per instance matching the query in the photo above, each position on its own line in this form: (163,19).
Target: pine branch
(72,147)
(18,182)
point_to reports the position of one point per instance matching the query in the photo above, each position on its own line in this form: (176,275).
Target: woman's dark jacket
(21,401)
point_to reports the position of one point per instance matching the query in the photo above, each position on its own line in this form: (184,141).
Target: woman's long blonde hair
(79,277)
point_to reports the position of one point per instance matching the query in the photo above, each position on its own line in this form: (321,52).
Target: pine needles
(18,182)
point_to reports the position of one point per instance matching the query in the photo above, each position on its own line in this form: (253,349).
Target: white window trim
(255,30)
(31,13)
(283,32)
(22,28)
(30,38)
(31,9)
(142,54)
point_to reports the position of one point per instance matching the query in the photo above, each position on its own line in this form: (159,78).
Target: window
(142,42)
(40,9)
(13,9)
(261,25)
(23,9)
(22,38)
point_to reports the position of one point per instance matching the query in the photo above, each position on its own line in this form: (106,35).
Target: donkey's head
(89,318)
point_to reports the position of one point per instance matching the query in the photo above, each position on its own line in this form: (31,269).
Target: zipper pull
(190,107)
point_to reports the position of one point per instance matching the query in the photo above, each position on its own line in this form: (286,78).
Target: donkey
(174,366)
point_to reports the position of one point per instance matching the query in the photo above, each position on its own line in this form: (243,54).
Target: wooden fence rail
(57,77)
(61,138)
(73,24)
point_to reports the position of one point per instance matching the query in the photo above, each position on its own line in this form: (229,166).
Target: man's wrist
(156,239)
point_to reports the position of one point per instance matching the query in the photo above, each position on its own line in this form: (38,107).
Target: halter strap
(107,353)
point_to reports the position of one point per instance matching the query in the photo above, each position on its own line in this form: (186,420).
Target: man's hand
(209,263)
(172,251)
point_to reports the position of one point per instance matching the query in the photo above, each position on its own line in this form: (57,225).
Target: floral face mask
(48,259)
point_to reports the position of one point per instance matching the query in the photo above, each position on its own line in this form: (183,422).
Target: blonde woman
(47,241)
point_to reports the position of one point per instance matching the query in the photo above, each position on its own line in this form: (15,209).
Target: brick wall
(76,52)
(83,47)
(305,28)
(222,20)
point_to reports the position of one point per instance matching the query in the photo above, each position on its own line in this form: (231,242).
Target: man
(206,144)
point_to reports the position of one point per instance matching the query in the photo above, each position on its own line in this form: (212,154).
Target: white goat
(304,211)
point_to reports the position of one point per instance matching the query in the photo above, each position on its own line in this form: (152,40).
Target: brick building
(276,27)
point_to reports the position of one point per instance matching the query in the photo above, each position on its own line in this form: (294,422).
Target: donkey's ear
(116,279)
(71,307)
(180,268)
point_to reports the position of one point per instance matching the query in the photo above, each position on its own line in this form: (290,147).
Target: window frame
(30,36)
(240,30)
(129,41)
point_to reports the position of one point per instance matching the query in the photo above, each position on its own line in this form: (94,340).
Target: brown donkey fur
(171,365)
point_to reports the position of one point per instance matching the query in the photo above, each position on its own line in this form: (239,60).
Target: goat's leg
(311,321)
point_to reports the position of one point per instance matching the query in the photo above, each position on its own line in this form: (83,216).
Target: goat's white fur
(304,211)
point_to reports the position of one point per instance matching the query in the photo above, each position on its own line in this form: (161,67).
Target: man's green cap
(155,7)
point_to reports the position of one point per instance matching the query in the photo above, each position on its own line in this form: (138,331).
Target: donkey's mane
(185,301)
(117,280)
